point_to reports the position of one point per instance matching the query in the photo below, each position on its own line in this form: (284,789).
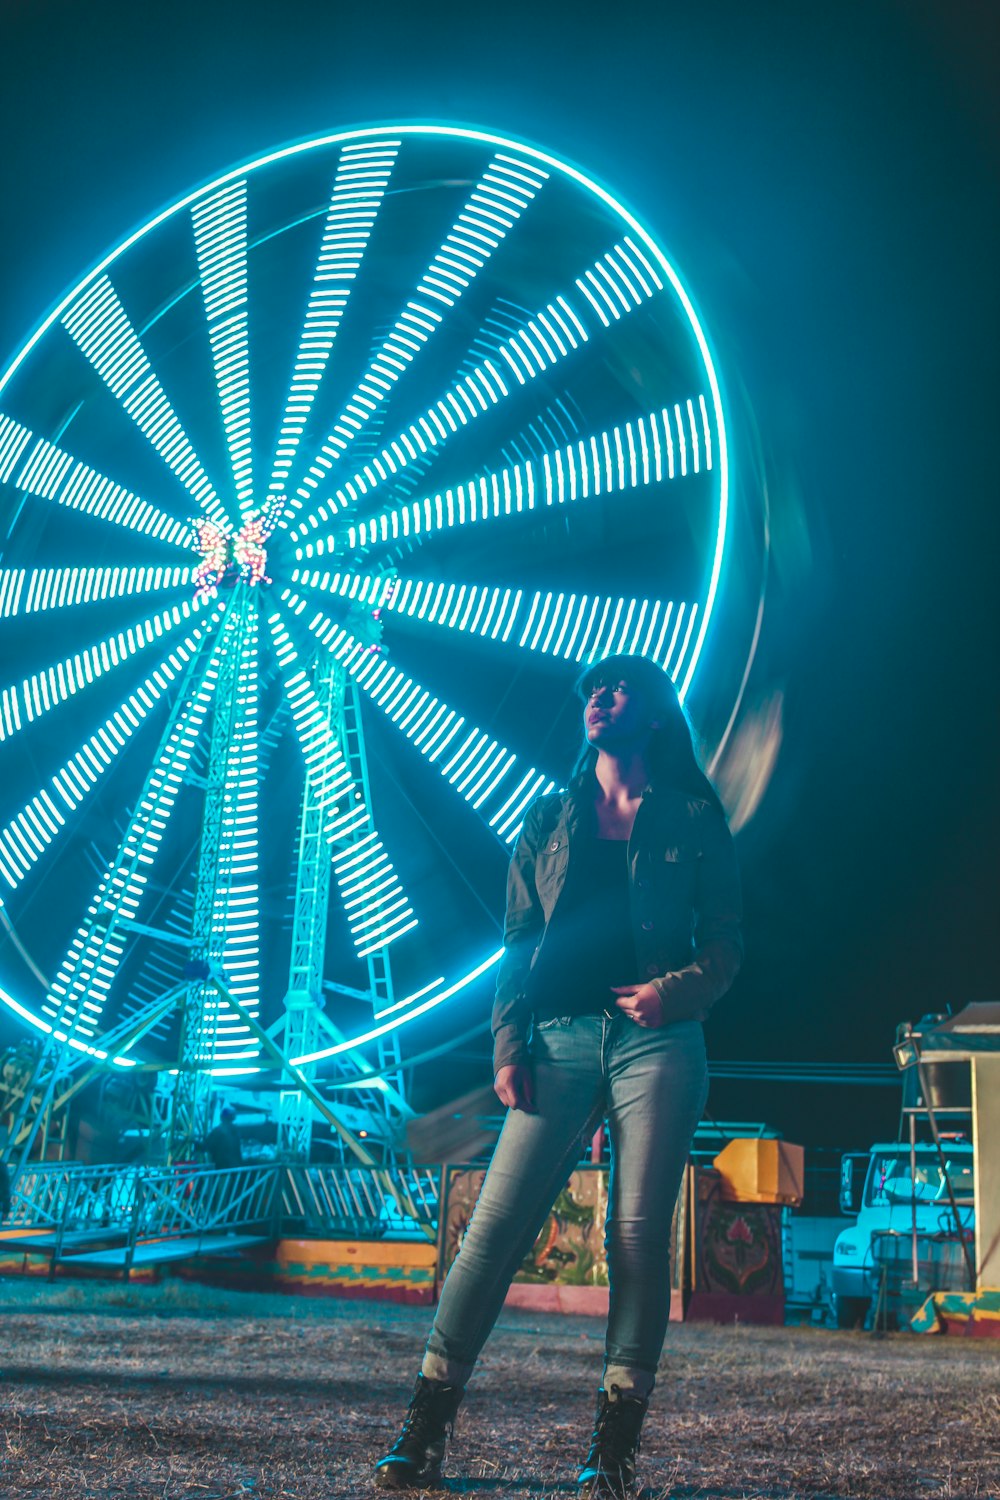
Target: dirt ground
(181,1393)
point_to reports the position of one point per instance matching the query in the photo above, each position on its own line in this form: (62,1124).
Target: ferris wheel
(312,492)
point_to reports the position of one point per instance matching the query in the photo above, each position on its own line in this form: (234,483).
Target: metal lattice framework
(371,437)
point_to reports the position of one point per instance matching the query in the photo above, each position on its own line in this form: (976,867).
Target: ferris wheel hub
(230,555)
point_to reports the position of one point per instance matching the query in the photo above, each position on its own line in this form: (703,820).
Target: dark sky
(826,177)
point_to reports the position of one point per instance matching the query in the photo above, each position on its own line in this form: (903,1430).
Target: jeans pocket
(551,1022)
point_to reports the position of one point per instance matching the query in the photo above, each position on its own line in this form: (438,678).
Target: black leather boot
(414,1460)
(609,1468)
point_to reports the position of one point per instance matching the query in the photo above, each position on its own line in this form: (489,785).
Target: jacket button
(643,884)
(652,968)
(647,926)
(554,844)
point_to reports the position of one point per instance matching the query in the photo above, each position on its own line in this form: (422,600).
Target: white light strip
(77,995)
(360,864)
(42,691)
(220,233)
(596,466)
(100,326)
(554,332)
(577,627)
(37,468)
(32,830)
(402,1020)
(362,177)
(436,730)
(28,591)
(236,910)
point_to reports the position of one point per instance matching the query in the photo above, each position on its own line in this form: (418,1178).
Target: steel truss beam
(305,1024)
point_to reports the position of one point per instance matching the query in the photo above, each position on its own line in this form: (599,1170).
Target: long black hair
(671,755)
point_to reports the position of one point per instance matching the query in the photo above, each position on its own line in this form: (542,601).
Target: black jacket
(685,902)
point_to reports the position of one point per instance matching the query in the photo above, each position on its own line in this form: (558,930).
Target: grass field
(180,1393)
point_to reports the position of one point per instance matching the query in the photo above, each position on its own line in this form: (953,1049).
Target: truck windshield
(890,1179)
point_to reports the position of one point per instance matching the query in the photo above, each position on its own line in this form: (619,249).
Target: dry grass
(179,1393)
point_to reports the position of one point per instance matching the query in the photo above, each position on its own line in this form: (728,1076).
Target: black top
(588,945)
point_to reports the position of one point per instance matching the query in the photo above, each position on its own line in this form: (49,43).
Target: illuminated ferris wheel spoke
(38,694)
(32,831)
(38,468)
(363,173)
(78,994)
(481,769)
(502,194)
(575,627)
(662,445)
(485,388)
(25,591)
(617,283)
(218,846)
(220,233)
(236,913)
(371,892)
(102,330)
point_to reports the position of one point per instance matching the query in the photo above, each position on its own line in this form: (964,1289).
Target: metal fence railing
(69,1196)
(179,1202)
(364,1202)
(65,1203)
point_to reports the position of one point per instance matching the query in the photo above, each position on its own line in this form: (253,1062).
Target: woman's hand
(640,1002)
(514,1086)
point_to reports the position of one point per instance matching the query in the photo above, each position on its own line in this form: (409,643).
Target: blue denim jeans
(651,1083)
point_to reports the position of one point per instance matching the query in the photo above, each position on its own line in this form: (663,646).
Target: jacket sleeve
(523,926)
(689,993)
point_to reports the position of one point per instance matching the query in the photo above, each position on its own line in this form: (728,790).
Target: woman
(622,930)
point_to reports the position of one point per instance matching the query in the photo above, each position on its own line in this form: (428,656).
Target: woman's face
(617,717)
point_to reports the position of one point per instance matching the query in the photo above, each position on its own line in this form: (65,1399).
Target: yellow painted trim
(385,1255)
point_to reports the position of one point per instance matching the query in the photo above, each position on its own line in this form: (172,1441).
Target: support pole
(986,1154)
(191,1109)
(399,1196)
(304,999)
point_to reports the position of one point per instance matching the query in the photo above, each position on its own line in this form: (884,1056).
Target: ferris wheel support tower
(227,858)
(302,1022)
(305,1023)
(500,411)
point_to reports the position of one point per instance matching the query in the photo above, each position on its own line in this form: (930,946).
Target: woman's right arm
(523,926)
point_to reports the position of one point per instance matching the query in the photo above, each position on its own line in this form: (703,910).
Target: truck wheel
(850,1312)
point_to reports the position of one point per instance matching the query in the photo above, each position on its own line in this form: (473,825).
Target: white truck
(904,1221)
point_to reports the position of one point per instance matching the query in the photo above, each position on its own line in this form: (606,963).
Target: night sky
(826,179)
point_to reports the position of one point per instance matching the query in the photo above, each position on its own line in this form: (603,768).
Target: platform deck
(50,1242)
(159,1252)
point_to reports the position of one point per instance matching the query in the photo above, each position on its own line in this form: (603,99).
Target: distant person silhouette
(223,1144)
